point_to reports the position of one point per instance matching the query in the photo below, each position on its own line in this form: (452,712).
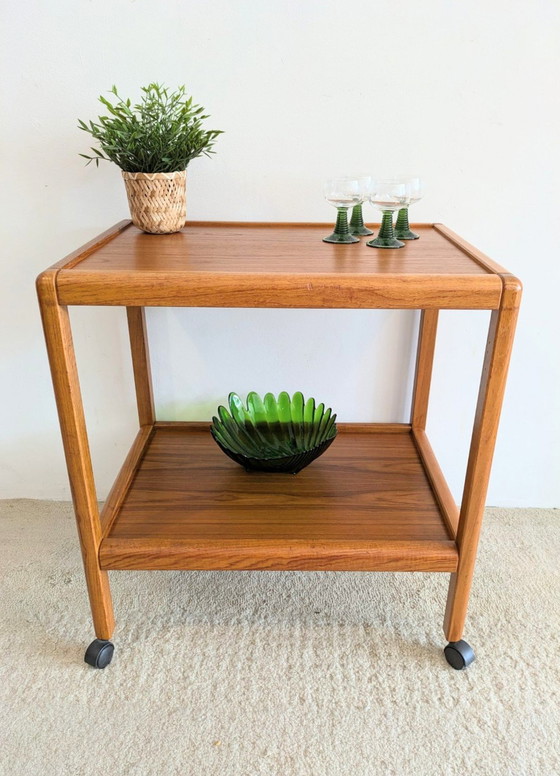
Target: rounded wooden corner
(46,285)
(512,290)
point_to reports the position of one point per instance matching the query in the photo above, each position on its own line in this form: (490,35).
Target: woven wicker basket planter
(157,201)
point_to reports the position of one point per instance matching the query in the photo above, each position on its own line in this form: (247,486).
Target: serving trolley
(375,501)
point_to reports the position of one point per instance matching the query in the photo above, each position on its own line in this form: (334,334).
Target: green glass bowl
(274,434)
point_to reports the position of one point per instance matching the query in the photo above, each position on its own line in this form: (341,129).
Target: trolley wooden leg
(424,364)
(60,349)
(494,372)
(418,416)
(141,364)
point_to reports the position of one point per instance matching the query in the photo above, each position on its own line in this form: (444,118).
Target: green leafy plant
(162,133)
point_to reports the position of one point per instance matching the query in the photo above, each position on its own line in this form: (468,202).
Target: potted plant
(152,142)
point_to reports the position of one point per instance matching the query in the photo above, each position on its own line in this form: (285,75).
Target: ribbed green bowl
(281,434)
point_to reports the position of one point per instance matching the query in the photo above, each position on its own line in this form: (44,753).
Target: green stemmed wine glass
(342,193)
(357,227)
(414,192)
(387,196)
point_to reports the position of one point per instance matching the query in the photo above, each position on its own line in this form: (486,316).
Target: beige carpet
(279,674)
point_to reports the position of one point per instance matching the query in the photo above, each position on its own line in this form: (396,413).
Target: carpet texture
(279,674)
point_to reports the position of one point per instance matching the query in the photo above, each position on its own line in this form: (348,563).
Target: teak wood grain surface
(376,500)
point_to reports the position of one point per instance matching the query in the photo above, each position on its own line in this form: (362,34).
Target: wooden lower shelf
(366,504)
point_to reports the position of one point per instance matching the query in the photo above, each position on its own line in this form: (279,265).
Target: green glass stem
(386,231)
(357,222)
(402,227)
(386,237)
(341,226)
(341,232)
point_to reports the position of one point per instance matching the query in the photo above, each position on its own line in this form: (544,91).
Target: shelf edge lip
(470,250)
(442,493)
(87,249)
(295,224)
(278,555)
(355,428)
(125,477)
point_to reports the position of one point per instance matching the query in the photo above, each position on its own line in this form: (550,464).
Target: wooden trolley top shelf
(366,504)
(220,264)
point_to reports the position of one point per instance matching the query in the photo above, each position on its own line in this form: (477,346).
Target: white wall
(463,93)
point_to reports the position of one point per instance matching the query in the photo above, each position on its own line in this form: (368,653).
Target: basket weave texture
(157,201)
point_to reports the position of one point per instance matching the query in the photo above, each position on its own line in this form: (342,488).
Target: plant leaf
(161,133)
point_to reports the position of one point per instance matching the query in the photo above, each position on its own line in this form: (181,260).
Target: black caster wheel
(99,653)
(459,654)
